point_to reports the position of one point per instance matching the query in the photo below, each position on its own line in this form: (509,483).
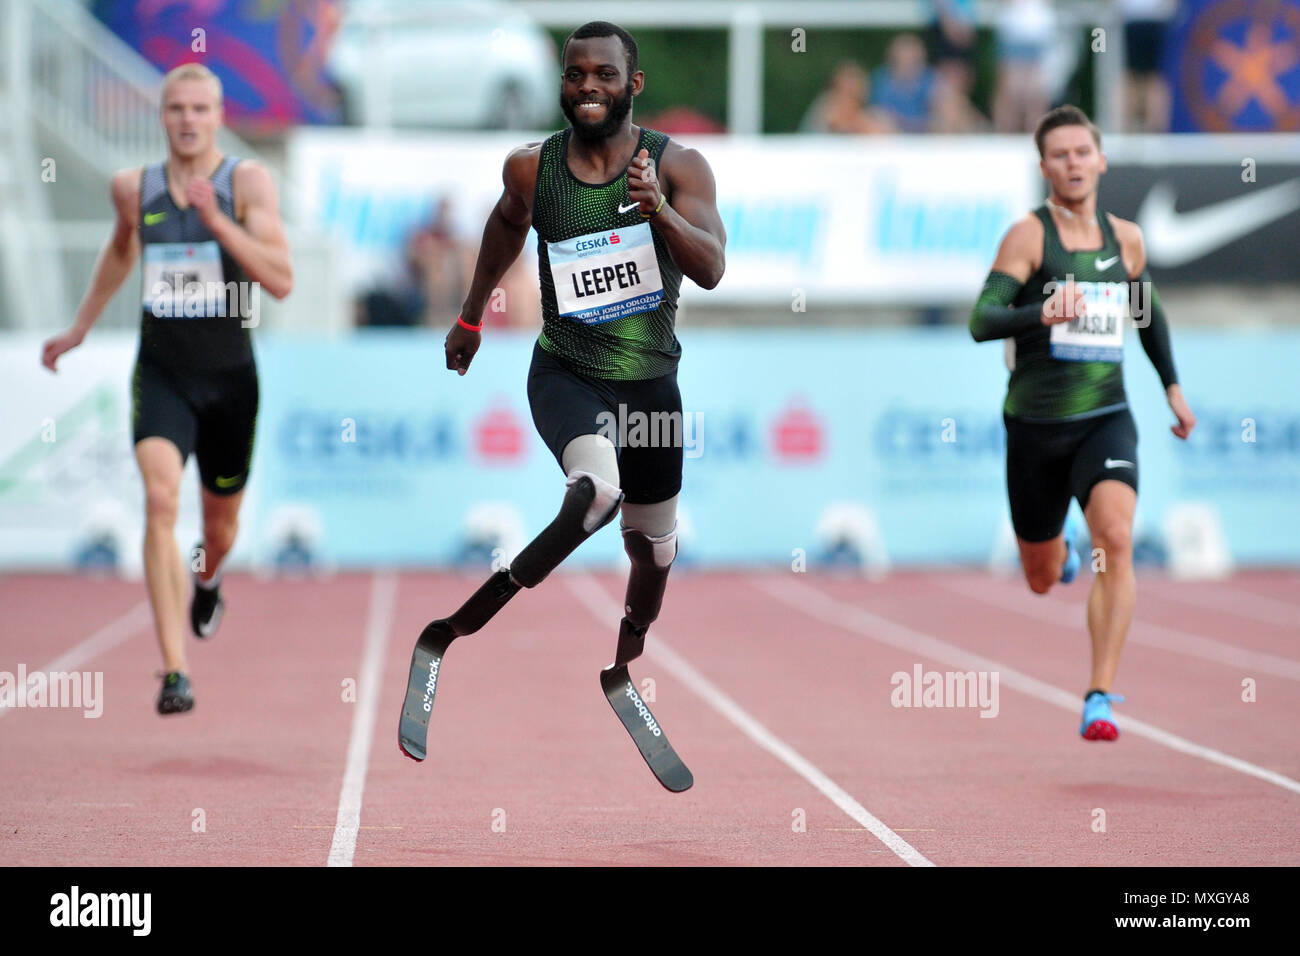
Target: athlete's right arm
(111,269)
(993,316)
(503,239)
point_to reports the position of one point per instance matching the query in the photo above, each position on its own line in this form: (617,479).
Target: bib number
(604,276)
(183,280)
(1099,335)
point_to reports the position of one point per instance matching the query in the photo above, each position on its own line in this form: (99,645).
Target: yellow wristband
(651,215)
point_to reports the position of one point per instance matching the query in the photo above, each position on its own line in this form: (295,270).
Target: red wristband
(465,325)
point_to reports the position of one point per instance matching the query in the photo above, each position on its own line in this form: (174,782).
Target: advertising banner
(370,452)
(832,219)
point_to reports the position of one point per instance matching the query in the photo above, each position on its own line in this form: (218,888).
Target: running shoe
(176,695)
(1098,723)
(1072,562)
(206,608)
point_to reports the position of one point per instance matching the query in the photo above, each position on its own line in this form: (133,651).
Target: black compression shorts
(1048,462)
(566,403)
(213,415)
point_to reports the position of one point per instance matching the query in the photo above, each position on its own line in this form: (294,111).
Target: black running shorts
(213,415)
(642,417)
(1049,462)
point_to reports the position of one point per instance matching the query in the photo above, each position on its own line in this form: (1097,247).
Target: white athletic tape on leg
(664,546)
(607,496)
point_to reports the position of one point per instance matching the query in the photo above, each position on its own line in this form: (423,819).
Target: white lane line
(1142,632)
(605,610)
(815,603)
(1240,603)
(107,637)
(383,593)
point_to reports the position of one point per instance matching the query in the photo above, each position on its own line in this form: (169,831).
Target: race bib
(604,276)
(1099,335)
(183,280)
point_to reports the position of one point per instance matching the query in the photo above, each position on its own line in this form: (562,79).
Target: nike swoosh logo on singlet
(153,217)
(1103,264)
(1174,238)
(622,209)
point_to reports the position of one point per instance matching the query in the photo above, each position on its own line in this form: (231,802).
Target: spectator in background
(436,262)
(416,290)
(842,106)
(1025,30)
(904,87)
(951,38)
(441,263)
(1146,94)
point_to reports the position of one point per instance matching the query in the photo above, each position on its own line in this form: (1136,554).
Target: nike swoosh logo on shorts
(1118,463)
(1100,264)
(1174,238)
(622,209)
(152,217)
(227,482)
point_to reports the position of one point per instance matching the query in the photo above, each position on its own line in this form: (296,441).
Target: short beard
(618,111)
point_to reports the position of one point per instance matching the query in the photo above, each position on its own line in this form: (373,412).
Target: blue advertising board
(392,457)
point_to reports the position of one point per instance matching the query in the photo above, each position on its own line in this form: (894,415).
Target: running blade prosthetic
(426,660)
(649,737)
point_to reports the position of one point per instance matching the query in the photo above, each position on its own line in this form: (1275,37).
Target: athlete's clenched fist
(643,183)
(1065,303)
(461,344)
(200,194)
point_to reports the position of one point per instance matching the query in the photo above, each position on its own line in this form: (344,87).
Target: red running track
(775,688)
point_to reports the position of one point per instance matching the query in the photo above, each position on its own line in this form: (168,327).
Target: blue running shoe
(1072,562)
(1098,724)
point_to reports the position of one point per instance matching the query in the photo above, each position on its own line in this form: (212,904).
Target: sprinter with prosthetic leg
(621,214)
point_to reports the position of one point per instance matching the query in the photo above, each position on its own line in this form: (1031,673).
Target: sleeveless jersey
(1073,369)
(609,283)
(194,295)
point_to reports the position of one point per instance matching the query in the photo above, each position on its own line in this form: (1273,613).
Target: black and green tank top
(609,283)
(1073,369)
(196,298)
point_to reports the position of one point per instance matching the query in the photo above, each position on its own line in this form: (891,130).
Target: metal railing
(94,92)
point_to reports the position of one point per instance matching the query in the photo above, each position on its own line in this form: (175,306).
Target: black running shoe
(205,609)
(176,696)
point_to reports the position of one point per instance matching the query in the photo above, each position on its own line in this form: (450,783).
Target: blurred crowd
(926,82)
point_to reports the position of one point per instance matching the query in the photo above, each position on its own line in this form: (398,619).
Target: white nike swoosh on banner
(1118,463)
(1100,264)
(622,209)
(1174,238)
